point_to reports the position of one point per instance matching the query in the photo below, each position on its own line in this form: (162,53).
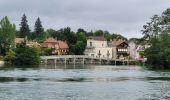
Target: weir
(82,59)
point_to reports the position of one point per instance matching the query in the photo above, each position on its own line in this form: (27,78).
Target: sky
(125,17)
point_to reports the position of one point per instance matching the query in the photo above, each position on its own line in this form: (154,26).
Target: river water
(84,83)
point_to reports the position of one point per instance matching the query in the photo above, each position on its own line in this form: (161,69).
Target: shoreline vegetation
(156,34)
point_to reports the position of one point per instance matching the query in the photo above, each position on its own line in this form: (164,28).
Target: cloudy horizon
(116,16)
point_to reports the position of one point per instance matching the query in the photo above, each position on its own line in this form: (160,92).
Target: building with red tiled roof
(58,47)
(19,40)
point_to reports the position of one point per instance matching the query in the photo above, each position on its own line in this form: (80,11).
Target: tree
(69,36)
(152,28)
(26,55)
(38,29)
(24,29)
(158,55)
(7,35)
(80,47)
(10,55)
(99,33)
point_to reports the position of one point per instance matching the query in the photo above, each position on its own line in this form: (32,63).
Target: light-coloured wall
(104,52)
(132,50)
(96,43)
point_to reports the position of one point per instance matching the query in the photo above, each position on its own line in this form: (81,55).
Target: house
(58,47)
(28,43)
(19,40)
(119,48)
(97,47)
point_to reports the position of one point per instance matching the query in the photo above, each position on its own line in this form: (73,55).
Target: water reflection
(78,82)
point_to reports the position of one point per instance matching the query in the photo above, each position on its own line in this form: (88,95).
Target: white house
(99,47)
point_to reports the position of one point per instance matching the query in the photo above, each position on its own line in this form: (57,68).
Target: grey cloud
(117,16)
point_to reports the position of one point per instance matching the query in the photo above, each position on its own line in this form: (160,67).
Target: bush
(10,55)
(26,55)
(1,58)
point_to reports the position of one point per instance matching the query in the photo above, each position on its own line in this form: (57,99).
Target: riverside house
(28,43)
(119,49)
(58,47)
(98,46)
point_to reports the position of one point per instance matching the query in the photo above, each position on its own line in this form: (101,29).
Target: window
(91,44)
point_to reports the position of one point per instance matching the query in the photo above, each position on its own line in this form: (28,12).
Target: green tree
(79,48)
(10,55)
(158,55)
(26,55)
(7,35)
(24,29)
(69,36)
(38,29)
(99,33)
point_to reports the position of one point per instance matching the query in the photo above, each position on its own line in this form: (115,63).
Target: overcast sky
(117,16)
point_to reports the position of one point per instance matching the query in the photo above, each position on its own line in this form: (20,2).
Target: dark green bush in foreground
(25,55)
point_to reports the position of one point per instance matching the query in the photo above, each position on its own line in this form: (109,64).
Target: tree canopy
(7,35)
(24,27)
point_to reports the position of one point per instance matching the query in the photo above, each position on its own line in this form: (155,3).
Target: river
(87,82)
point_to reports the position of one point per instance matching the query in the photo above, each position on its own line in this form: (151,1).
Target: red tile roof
(19,40)
(53,43)
(50,40)
(63,45)
(115,43)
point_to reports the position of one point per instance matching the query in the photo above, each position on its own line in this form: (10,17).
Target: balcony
(122,50)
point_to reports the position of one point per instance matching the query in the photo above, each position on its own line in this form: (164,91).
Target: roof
(99,38)
(115,43)
(50,40)
(53,43)
(19,40)
(63,45)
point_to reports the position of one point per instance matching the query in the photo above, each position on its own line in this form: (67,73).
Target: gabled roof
(19,40)
(63,45)
(98,38)
(53,43)
(50,40)
(115,43)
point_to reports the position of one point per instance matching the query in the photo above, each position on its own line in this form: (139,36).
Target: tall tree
(7,35)
(38,29)
(24,29)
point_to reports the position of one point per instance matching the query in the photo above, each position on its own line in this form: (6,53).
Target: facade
(58,47)
(120,49)
(135,50)
(99,47)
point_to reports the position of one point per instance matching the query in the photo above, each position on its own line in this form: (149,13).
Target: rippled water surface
(84,83)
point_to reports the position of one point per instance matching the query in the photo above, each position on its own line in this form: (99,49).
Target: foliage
(158,55)
(80,47)
(24,29)
(7,35)
(1,58)
(45,51)
(156,33)
(38,29)
(9,56)
(26,55)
